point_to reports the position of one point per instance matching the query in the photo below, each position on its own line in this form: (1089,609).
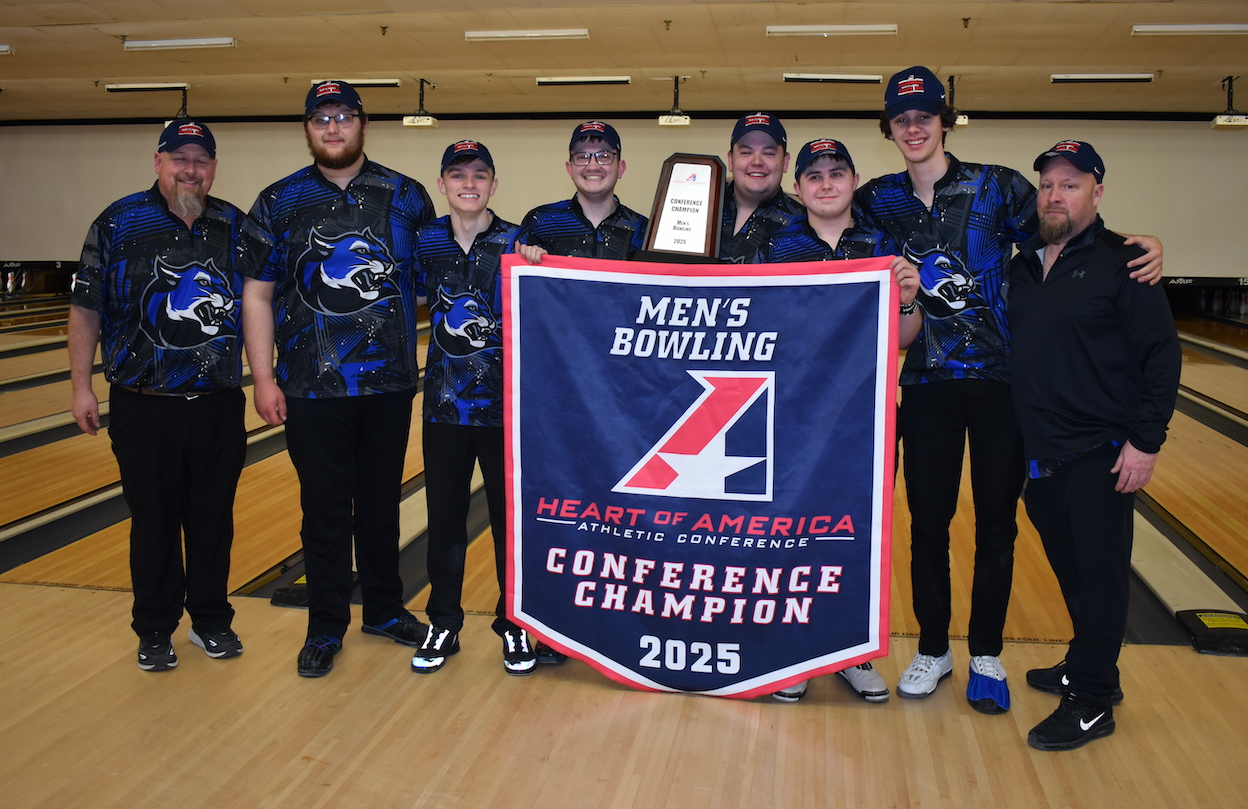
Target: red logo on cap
(910,86)
(329,88)
(593,126)
(191,130)
(824,145)
(1067,146)
(758,119)
(467,146)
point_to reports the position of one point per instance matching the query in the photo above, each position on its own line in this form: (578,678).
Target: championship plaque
(688,206)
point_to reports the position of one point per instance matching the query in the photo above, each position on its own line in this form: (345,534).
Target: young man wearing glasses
(593,224)
(337,296)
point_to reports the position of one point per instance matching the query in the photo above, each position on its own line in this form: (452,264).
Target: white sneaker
(925,672)
(866,683)
(791,693)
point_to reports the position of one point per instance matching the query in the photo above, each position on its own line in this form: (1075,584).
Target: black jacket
(1094,354)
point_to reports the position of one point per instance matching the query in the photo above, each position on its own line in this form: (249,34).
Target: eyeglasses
(345,120)
(601,158)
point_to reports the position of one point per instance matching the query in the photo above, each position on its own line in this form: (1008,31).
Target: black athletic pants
(180,460)
(1087,531)
(451,451)
(349,454)
(935,422)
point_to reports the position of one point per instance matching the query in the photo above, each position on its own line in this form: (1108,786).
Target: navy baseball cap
(760,122)
(824,147)
(915,88)
(187,130)
(596,129)
(466,147)
(1081,155)
(332,90)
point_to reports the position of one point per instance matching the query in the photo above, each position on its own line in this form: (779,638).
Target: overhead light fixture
(506,36)
(146,88)
(1213,29)
(6,50)
(960,121)
(420,117)
(1231,119)
(674,116)
(177,44)
(834,78)
(366,82)
(1100,78)
(552,81)
(889,29)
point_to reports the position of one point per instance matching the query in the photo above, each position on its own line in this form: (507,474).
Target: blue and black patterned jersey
(768,219)
(464,374)
(962,246)
(799,242)
(562,229)
(168,295)
(344,265)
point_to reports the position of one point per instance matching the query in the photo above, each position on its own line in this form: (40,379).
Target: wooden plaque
(688,207)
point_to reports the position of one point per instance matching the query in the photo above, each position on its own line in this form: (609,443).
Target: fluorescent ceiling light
(1100,78)
(834,78)
(889,29)
(176,44)
(548,33)
(365,82)
(6,50)
(545,81)
(1216,29)
(146,88)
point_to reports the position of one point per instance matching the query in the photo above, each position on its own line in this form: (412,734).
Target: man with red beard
(1095,367)
(158,288)
(337,296)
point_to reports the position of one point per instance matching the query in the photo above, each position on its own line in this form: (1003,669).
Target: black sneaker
(1055,681)
(550,657)
(519,658)
(156,652)
(316,658)
(1076,722)
(407,629)
(438,644)
(217,644)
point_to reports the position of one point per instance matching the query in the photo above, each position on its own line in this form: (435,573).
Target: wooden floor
(81,725)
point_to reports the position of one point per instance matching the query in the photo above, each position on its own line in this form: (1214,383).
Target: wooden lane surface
(266,514)
(1036,612)
(40,362)
(1236,336)
(266,531)
(1216,379)
(248,732)
(47,476)
(17,406)
(1201,478)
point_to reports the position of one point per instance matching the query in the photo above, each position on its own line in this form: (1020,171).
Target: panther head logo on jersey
(188,306)
(343,274)
(946,288)
(463,324)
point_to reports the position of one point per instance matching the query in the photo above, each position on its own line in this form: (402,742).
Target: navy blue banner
(700,467)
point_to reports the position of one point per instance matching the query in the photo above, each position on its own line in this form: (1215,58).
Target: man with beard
(337,295)
(755,208)
(958,223)
(593,224)
(158,287)
(1095,364)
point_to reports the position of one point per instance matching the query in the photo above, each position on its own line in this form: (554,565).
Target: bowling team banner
(699,466)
